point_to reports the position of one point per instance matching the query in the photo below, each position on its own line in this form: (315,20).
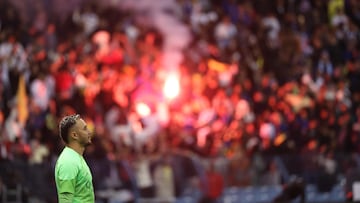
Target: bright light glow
(171,86)
(142,109)
(162,113)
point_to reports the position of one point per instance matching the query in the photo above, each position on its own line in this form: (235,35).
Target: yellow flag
(22,101)
(333,6)
(217,65)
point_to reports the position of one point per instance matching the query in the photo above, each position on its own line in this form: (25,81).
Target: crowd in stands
(258,78)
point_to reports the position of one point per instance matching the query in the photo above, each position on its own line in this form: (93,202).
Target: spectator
(291,191)
(225,32)
(239,173)
(327,178)
(215,186)
(13,63)
(272,175)
(325,66)
(144,179)
(41,89)
(164,180)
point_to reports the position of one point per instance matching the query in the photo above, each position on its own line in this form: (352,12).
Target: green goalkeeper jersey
(73,178)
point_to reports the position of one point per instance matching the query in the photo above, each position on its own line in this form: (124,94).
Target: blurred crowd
(257,78)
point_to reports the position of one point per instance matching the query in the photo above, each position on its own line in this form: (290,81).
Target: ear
(73,135)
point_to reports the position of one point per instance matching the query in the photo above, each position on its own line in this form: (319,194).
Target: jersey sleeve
(66,191)
(67,173)
(66,186)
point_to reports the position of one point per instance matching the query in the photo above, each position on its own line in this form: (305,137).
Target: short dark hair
(65,124)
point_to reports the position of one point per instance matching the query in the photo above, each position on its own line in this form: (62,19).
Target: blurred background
(188,100)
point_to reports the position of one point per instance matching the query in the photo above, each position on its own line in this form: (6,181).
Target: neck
(78,148)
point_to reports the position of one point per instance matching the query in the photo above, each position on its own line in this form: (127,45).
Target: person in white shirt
(225,31)
(13,60)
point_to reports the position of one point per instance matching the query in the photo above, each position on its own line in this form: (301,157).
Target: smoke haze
(163,15)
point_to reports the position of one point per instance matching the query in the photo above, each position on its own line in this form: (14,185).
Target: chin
(88,143)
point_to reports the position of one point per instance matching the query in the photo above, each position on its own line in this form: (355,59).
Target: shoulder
(68,163)
(69,156)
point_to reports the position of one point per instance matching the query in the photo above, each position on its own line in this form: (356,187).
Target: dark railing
(324,176)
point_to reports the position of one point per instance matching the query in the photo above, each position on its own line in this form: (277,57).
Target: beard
(86,142)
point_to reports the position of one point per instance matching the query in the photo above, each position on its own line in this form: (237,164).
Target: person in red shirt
(215,185)
(64,83)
